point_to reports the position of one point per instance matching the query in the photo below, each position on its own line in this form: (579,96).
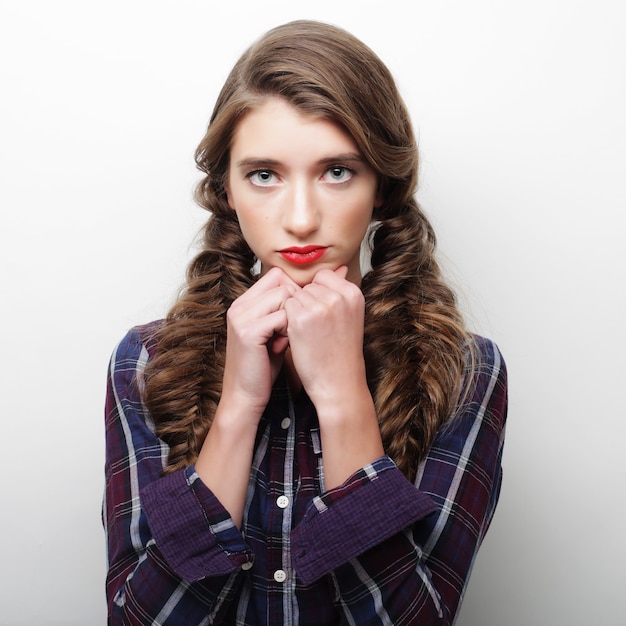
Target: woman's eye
(261,177)
(338,174)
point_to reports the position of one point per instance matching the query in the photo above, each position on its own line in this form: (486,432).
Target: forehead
(278,126)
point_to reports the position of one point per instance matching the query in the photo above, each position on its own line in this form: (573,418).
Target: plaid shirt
(376,550)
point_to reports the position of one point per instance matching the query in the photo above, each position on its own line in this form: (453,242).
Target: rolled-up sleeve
(195,533)
(374,504)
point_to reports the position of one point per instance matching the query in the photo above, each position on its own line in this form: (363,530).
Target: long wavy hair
(415,343)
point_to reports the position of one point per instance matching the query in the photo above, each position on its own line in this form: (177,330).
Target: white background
(520,112)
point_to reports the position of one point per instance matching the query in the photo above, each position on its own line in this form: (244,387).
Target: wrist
(233,425)
(350,438)
(344,405)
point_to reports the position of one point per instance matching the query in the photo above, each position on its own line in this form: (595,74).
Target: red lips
(301,255)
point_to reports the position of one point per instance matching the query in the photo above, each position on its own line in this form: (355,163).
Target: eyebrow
(336,158)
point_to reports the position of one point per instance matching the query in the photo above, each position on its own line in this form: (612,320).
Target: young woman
(299,442)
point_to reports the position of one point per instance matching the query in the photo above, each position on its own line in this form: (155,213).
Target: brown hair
(415,342)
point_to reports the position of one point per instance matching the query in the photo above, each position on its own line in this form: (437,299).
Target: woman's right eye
(261,178)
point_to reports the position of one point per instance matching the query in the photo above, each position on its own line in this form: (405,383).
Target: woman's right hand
(255,347)
(256,343)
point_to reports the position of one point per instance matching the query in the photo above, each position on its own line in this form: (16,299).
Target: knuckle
(355,294)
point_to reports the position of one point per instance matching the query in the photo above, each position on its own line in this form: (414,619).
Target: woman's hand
(255,345)
(256,342)
(325,329)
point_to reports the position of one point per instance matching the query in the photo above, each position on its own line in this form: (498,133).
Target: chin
(302,276)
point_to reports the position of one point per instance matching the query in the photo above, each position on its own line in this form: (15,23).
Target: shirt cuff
(374,504)
(194,532)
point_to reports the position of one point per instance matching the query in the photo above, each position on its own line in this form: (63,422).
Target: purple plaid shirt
(376,550)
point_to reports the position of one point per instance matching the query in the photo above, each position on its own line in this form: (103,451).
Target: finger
(269,326)
(331,278)
(278,344)
(256,305)
(276,276)
(305,298)
(342,271)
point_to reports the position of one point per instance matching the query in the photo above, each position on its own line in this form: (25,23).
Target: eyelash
(344,170)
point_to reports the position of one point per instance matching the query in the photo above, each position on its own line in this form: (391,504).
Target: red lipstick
(301,255)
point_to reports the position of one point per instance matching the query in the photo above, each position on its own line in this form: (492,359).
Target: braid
(414,338)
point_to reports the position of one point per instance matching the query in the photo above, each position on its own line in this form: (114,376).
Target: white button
(285,423)
(246,565)
(280,576)
(282,502)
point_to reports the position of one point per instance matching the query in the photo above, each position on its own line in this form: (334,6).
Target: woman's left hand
(325,329)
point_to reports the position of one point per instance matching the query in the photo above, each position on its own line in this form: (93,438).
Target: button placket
(281,491)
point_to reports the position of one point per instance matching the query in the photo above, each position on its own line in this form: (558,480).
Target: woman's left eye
(338,174)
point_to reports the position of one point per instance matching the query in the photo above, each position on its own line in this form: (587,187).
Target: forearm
(225,459)
(350,435)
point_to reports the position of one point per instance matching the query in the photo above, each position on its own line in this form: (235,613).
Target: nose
(300,215)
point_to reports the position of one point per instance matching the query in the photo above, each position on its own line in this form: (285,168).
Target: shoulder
(133,351)
(139,338)
(484,359)
(486,380)
(487,349)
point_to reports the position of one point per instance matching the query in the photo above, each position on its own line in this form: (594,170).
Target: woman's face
(303,194)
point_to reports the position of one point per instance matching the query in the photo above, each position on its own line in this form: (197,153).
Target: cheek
(254,225)
(362,212)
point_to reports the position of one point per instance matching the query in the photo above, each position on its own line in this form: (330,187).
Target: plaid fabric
(376,550)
